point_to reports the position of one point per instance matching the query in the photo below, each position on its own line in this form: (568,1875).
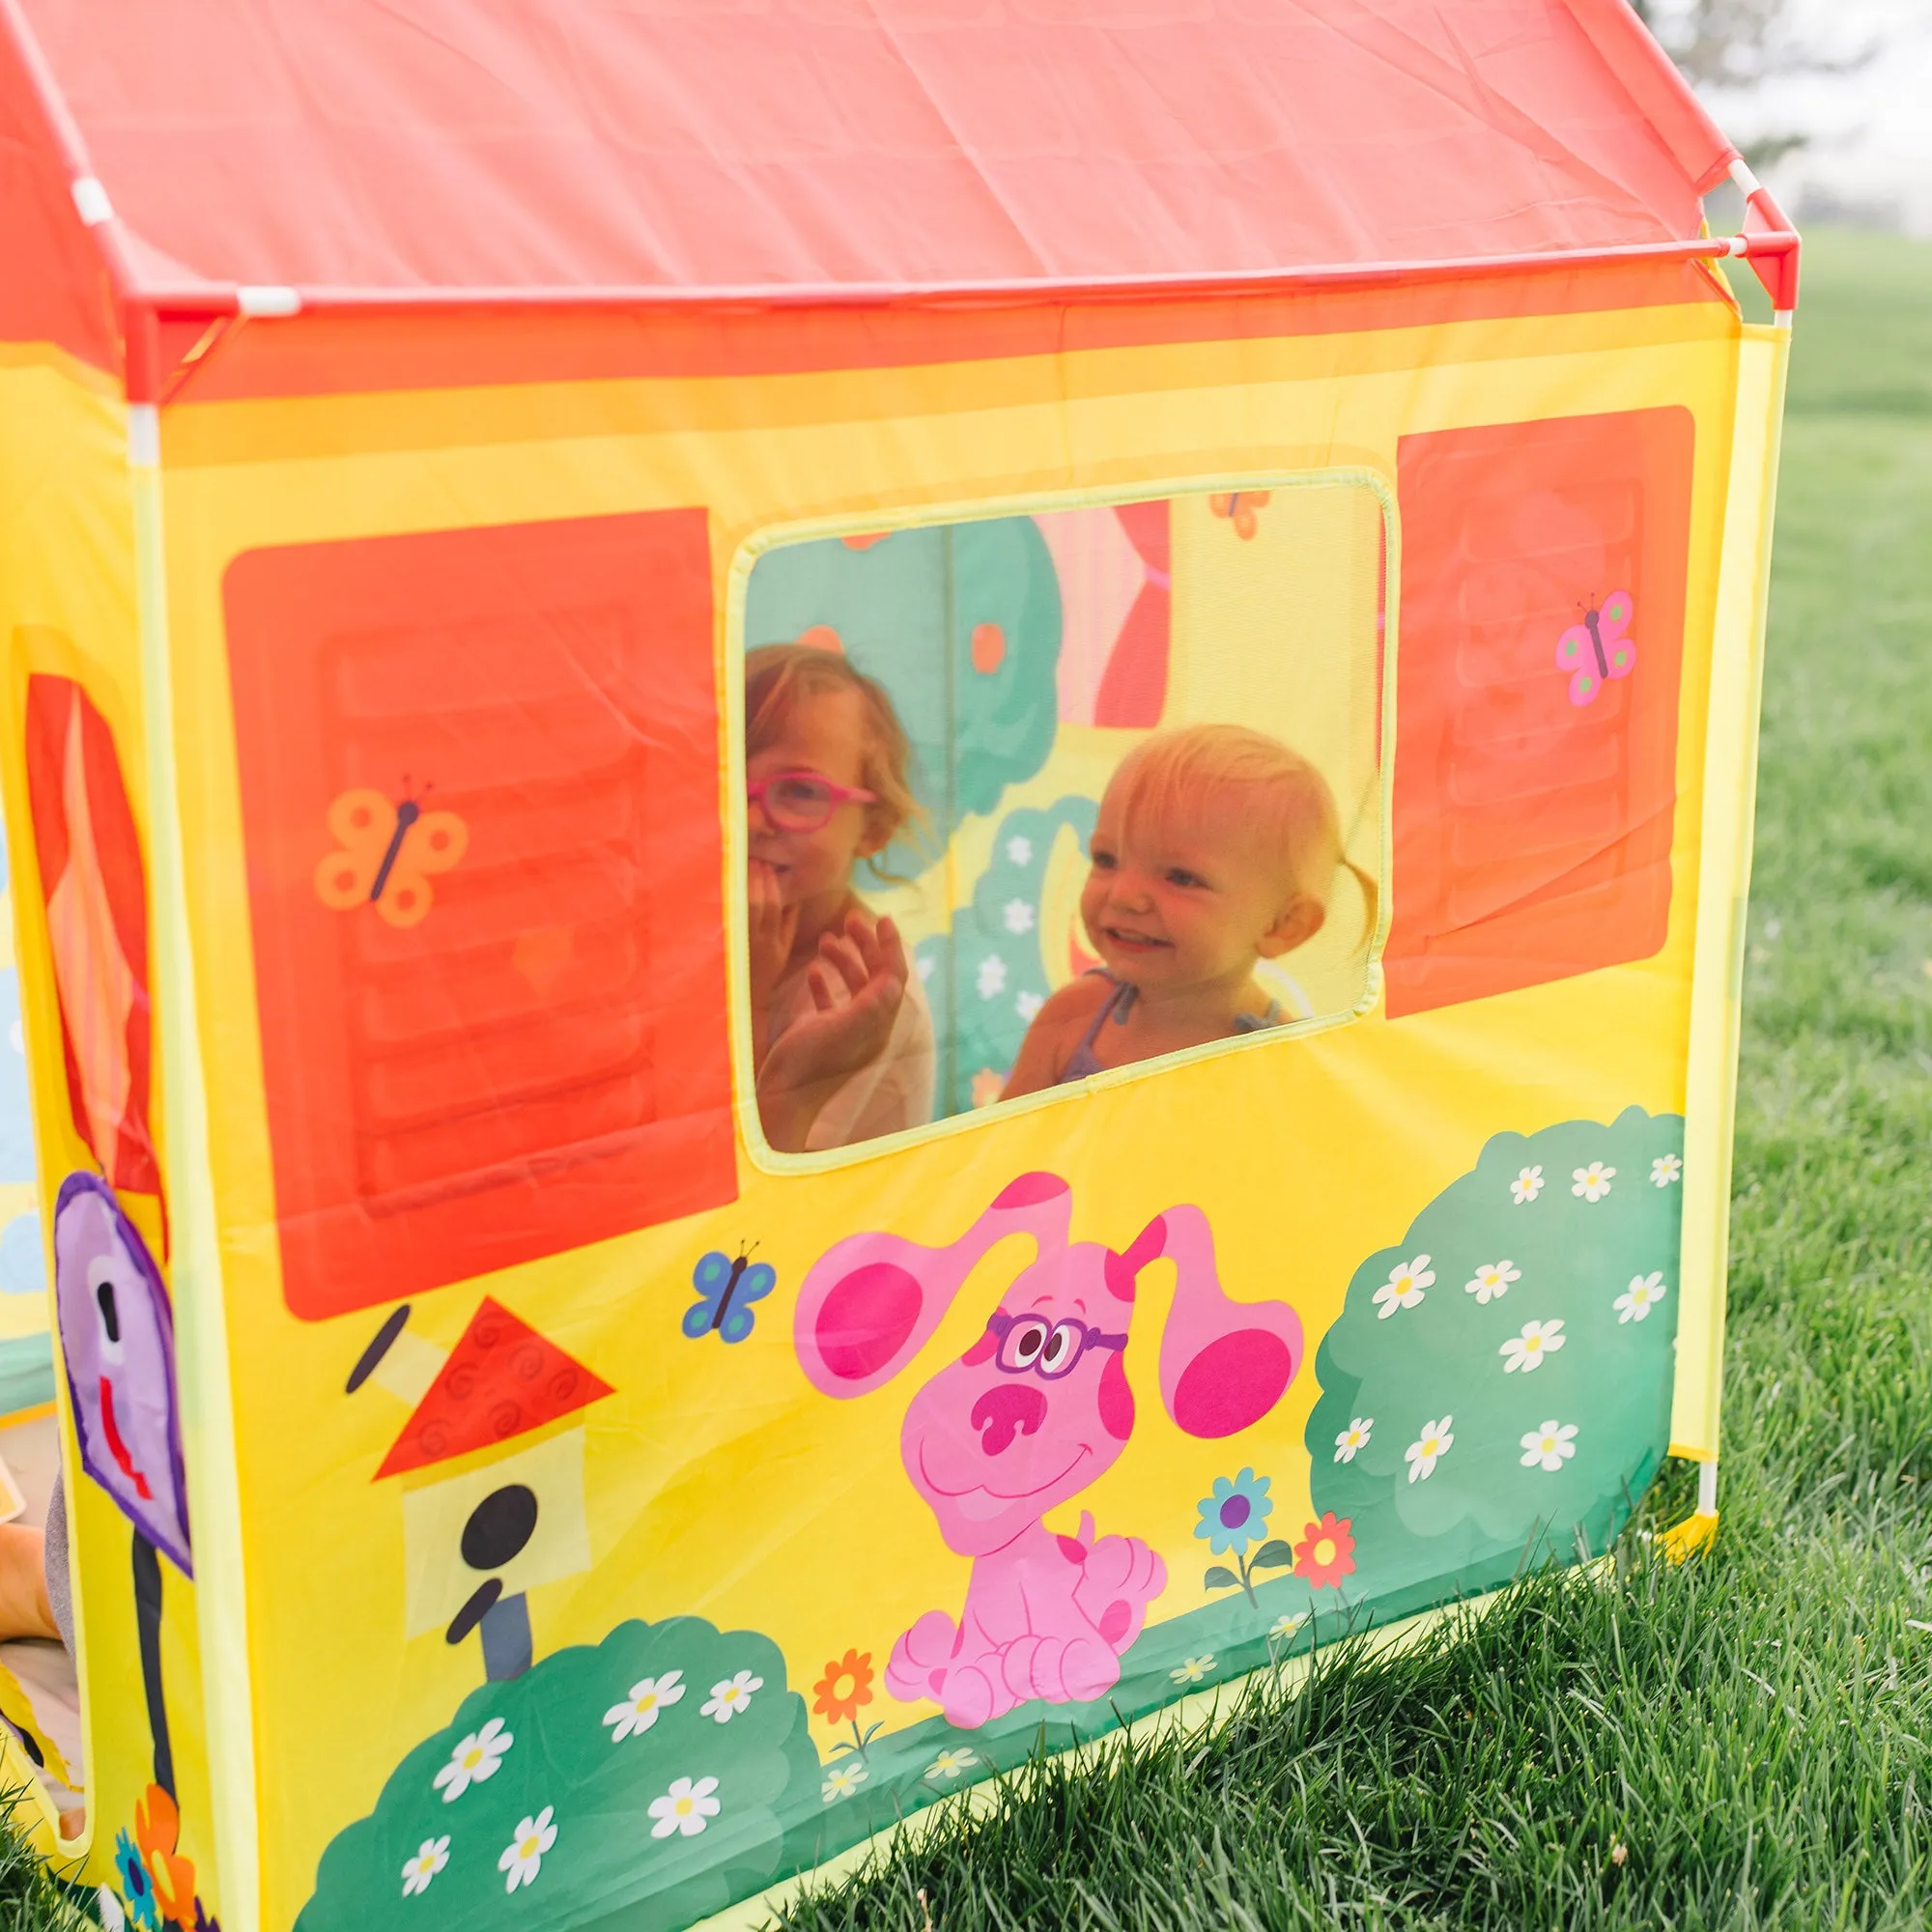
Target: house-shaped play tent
(508,1485)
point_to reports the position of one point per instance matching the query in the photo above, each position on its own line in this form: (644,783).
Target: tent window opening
(1111,771)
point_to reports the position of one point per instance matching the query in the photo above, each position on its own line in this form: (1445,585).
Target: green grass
(1743,1742)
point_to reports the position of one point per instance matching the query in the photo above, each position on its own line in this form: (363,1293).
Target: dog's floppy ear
(871,1301)
(1223,1364)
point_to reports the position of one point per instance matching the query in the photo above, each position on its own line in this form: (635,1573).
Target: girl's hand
(825,1046)
(770,929)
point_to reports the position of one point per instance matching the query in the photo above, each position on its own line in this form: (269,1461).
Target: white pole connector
(266,299)
(90,201)
(1707,1488)
(1748,182)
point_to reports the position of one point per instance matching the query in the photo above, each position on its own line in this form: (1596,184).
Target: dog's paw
(1122,1576)
(918,1666)
(974,1696)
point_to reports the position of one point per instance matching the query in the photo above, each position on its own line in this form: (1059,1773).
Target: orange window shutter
(479,788)
(1534,798)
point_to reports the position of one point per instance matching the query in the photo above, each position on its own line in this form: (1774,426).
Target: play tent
(505,1488)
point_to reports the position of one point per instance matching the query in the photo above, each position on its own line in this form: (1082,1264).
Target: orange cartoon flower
(847,1685)
(1325,1554)
(157,1827)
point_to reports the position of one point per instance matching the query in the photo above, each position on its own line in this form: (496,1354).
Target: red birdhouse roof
(502,1380)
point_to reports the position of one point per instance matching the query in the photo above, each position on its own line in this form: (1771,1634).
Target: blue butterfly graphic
(725,1291)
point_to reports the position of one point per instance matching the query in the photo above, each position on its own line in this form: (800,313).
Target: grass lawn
(1742,1742)
(1747,1741)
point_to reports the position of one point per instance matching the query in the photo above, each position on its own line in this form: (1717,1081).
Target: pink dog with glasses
(1033,1412)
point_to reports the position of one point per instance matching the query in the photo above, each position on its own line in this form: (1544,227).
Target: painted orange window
(1535,781)
(96,891)
(480,797)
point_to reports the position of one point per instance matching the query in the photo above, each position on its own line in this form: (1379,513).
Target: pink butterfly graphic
(1597,650)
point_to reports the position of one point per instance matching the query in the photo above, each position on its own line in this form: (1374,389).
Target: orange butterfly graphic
(1239,509)
(388,851)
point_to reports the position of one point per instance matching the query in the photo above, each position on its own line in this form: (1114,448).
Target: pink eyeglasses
(803,801)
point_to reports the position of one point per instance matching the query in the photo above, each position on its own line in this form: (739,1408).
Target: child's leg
(24,1610)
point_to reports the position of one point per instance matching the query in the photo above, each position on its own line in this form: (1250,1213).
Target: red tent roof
(778,148)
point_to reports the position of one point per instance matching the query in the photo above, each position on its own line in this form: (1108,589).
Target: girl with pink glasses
(841,1036)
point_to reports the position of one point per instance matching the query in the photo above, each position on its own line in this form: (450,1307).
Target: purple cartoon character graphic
(1027,1419)
(117,1336)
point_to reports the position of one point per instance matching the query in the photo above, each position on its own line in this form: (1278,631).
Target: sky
(1870,128)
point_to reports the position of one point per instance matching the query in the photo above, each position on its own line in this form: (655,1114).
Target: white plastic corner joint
(266,299)
(1748,182)
(90,201)
(1707,1488)
(144,435)
(1780,318)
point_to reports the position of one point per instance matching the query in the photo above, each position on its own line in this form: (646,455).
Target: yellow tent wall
(716,1483)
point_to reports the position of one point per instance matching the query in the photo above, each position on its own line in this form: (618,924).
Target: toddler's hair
(780,677)
(1283,798)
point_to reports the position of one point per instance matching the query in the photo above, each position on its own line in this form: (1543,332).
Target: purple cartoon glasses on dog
(1031,1345)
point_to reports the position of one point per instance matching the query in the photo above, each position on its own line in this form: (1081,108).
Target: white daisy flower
(641,1710)
(522,1857)
(686,1808)
(1527,1185)
(1637,1302)
(1286,1624)
(1354,1438)
(1525,1351)
(1428,1448)
(1028,1005)
(1666,1168)
(1192,1669)
(1016,916)
(992,977)
(1591,1183)
(841,1780)
(1492,1282)
(951,1763)
(1020,851)
(1550,1446)
(430,1858)
(732,1696)
(1404,1287)
(473,1760)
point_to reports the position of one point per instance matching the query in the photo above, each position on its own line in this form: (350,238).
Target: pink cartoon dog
(1026,1419)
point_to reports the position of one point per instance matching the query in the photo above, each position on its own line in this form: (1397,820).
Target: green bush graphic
(1571,1327)
(606,1860)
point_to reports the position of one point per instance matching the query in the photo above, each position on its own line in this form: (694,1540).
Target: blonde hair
(1283,798)
(778,678)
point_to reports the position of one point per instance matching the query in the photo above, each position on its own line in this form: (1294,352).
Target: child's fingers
(891,951)
(820,988)
(844,956)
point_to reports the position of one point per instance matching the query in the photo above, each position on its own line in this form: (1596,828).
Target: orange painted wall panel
(1532,832)
(479,791)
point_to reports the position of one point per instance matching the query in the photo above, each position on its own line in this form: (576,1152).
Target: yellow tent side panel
(597,1510)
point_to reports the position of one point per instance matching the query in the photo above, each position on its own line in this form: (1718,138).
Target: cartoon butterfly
(388,850)
(725,1291)
(1239,509)
(1597,650)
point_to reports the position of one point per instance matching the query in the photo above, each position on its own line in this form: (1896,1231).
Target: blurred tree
(1736,45)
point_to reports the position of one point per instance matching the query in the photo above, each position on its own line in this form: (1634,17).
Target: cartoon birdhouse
(477,1541)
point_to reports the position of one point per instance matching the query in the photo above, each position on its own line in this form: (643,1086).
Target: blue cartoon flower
(136,1888)
(1236,1514)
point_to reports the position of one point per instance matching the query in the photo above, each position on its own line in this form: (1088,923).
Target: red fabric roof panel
(798,144)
